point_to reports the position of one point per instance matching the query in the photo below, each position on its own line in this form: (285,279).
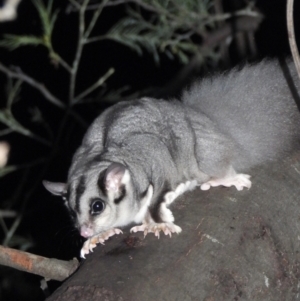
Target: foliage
(47,18)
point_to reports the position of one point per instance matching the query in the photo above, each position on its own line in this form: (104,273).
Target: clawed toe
(156,228)
(238,180)
(91,243)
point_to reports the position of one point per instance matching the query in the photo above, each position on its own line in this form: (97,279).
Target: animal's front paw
(167,228)
(91,243)
(238,180)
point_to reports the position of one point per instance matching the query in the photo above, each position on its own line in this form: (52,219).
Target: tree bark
(234,246)
(50,268)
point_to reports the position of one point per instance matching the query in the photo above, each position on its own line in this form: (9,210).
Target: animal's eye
(97,206)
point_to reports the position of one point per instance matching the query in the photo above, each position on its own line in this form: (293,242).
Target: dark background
(45,220)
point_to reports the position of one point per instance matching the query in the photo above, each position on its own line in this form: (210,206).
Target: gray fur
(224,124)
(254,108)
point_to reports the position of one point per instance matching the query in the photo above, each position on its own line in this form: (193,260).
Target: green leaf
(48,19)
(13,42)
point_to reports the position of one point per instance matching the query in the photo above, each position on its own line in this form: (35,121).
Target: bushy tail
(255,106)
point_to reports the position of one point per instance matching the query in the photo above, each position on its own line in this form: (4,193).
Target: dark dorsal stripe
(122,195)
(155,208)
(79,192)
(143,194)
(101,182)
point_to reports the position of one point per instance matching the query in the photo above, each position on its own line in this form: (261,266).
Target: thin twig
(81,41)
(32,82)
(7,118)
(82,38)
(98,39)
(75,3)
(12,230)
(97,84)
(78,118)
(243,12)
(3,225)
(94,19)
(61,61)
(48,268)
(43,90)
(8,213)
(13,92)
(39,139)
(120,2)
(291,35)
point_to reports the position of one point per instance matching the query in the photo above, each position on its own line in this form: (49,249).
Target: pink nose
(86,231)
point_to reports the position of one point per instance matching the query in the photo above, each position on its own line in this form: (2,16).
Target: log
(234,246)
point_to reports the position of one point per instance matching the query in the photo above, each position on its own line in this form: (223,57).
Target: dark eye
(97,206)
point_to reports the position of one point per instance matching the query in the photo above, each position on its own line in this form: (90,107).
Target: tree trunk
(234,246)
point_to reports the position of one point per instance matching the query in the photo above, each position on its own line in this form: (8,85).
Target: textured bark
(234,246)
(50,268)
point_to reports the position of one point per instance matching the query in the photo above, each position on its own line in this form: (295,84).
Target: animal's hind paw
(238,180)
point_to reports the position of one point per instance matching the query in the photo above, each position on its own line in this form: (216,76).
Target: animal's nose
(86,231)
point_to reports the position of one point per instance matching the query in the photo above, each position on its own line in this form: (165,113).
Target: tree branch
(49,268)
(97,84)
(43,90)
(81,41)
(32,82)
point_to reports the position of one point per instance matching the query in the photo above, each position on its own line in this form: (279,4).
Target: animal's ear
(115,177)
(56,188)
